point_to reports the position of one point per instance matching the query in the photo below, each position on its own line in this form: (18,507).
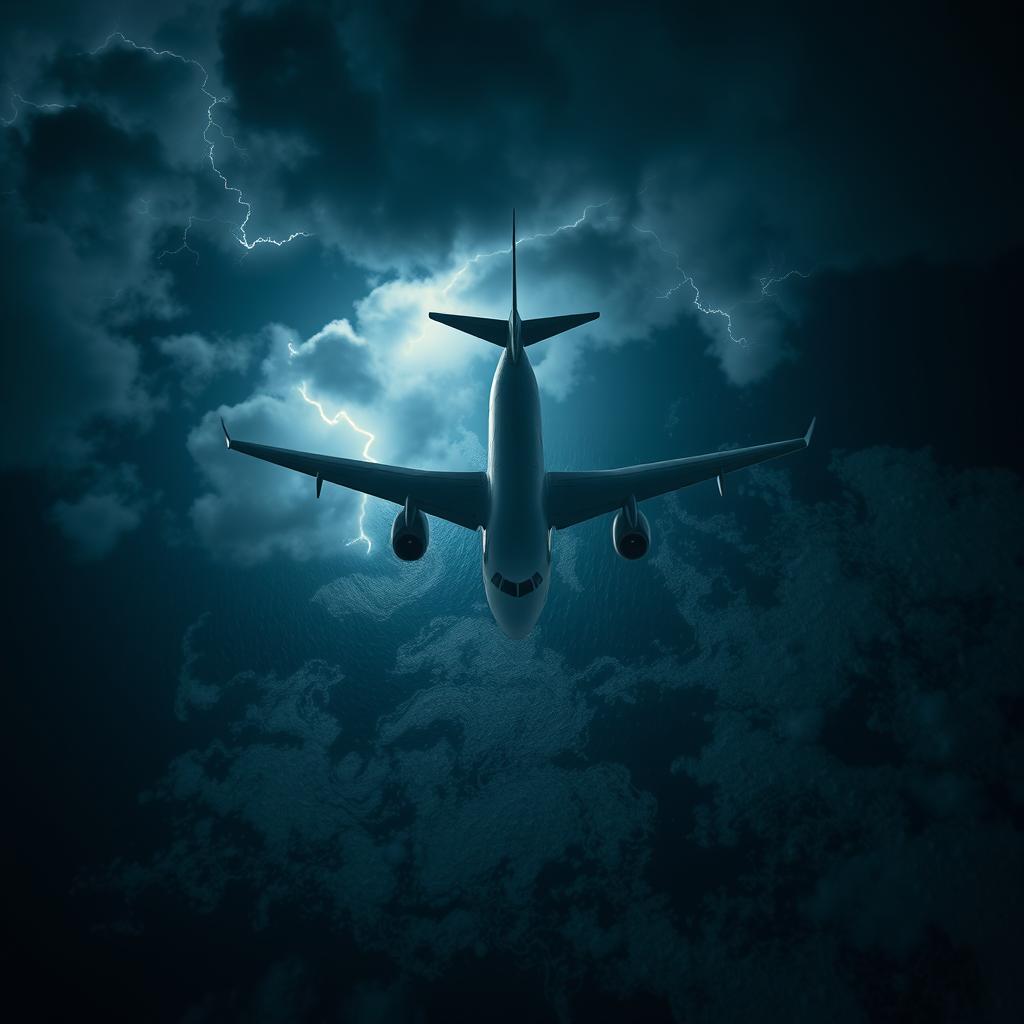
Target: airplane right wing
(575,497)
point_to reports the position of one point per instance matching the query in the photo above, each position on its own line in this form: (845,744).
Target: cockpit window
(514,589)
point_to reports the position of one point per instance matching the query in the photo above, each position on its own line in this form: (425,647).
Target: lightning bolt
(768,281)
(333,421)
(212,125)
(519,241)
(686,279)
(18,101)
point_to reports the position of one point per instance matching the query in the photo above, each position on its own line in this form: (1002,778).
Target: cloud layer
(830,791)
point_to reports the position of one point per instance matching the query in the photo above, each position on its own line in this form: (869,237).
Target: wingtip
(227,436)
(810,430)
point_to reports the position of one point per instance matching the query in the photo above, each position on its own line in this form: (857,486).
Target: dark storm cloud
(758,133)
(751,143)
(94,522)
(141,92)
(755,139)
(372,115)
(199,360)
(70,368)
(78,246)
(80,169)
(850,800)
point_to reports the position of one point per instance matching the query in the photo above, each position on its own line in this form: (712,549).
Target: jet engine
(631,533)
(410,534)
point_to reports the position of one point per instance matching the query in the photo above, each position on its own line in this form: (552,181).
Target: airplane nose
(517,629)
(516,616)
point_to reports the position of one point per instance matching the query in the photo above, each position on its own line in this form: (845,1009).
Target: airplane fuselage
(516,550)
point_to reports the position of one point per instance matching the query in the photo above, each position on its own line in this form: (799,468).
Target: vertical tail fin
(515,302)
(515,344)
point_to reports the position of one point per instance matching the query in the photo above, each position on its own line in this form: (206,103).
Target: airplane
(516,504)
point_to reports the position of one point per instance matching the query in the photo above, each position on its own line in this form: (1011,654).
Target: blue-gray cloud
(199,360)
(95,521)
(845,682)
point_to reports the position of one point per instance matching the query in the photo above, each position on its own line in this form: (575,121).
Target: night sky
(257,769)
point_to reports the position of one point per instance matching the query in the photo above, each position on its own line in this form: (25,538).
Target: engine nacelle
(410,534)
(631,533)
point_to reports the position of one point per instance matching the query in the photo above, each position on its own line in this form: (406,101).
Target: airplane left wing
(575,497)
(461,498)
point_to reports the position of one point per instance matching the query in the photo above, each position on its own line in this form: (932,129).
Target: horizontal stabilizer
(548,326)
(494,331)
